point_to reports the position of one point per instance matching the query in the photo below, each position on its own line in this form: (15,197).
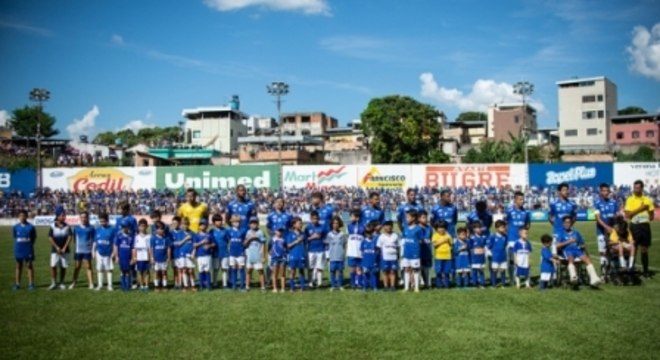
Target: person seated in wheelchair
(621,242)
(571,244)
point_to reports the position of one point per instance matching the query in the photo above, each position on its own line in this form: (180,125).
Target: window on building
(588,115)
(635,134)
(516,119)
(306,119)
(619,135)
(650,133)
(231,132)
(571,132)
(592,132)
(589,98)
(196,134)
(600,98)
(601,114)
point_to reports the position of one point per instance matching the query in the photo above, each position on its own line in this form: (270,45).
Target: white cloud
(311,7)
(645,51)
(483,94)
(4,118)
(136,125)
(117,39)
(85,125)
(28,29)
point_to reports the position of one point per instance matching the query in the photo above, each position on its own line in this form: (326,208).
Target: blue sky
(116,64)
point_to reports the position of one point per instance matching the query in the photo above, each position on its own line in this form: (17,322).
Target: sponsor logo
(374,179)
(316,178)
(573,174)
(177,180)
(467,175)
(56,174)
(110,179)
(5,180)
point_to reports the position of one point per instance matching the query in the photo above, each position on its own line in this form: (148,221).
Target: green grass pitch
(616,322)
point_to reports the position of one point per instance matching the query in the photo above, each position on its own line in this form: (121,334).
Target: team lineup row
(369,246)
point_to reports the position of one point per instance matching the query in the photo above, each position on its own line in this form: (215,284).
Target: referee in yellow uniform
(193,210)
(640,210)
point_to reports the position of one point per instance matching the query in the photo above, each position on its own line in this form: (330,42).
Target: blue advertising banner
(575,174)
(23,180)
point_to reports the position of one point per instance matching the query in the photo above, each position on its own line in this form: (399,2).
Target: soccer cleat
(98,288)
(110,288)
(134,287)
(91,286)
(73,285)
(52,286)
(31,287)
(16,287)
(62,287)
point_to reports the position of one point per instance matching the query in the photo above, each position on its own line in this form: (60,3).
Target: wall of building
(227,131)
(635,134)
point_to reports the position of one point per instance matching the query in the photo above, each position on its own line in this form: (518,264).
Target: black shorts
(641,233)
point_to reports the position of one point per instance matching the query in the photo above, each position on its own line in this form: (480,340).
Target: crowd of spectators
(298,201)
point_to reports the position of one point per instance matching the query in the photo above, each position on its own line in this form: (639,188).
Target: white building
(586,106)
(257,125)
(216,127)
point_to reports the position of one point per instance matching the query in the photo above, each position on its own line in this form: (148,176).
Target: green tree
(105,138)
(643,154)
(402,130)
(24,121)
(632,110)
(471,116)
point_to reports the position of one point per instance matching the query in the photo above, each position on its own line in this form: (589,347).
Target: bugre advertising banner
(628,173)
(317,176)
(218,177)
(469,175)
(23,180)
(384,176)
(100,178)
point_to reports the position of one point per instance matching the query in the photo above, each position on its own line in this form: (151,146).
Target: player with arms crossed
(59,236)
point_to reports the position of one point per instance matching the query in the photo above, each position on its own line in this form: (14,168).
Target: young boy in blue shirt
(548,262)
(236,237)
(462,258)
(125,253)
(102,250)
(369,252)
(160,253)
(183,240)
(336,241)
(521,251)
(277,253)
(426,253)
(202,248)
(497,244)
(411,239)
(25,235)
(219,235)
(477,246)
(355,237)
(315,233)
(175,236)
(295,243)
(83,237)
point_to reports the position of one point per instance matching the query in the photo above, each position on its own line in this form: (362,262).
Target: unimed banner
(628,173)
(314,176)
(469,175)
(23,180)
(575,174)
(100,178)
(218,177)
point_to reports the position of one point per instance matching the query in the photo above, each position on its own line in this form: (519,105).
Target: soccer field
(616,322)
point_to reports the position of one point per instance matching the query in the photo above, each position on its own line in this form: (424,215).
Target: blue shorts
(296,264)
(20,258)
(369,270)
(125,266)
(443,266)
(81,257)
(389,265)
(143,266)
(522,272)
(336,266)
(354,262)
(478,259)
(574,252)
(275,262)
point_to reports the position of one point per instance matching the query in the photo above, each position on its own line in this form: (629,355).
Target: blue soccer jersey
(316,245)
(403,210)
(369,253)
(125,244)
(522,250)
(326,213)
(425,249)
(411,240)
(477,245)
(370,214)
(24,237)
(355,237)
(447,213)
(236,238)
(485,217)
(573,249)
(176,236)
(547,266)
(159,246)
(131,221)
(60,235)
(461,254)
(606,210)
(560,209)
(244,209)
(497,244)
(516,219)
(104,239)
(278,220)
(220,238)
(277,249)
(84,238)
(186,248)
(204,239)
(297,252)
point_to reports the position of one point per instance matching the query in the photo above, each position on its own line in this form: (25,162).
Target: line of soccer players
(227,254)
